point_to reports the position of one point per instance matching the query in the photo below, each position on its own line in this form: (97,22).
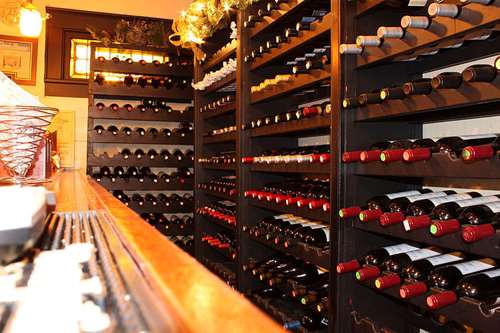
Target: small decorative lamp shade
(30,21)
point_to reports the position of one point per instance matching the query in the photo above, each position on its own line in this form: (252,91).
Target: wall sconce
(30,20)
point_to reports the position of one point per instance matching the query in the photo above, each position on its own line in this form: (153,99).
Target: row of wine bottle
(305,112)
(443,212)
(142,81)
(220,131)
(301,155)
(221,269)
(311,193)
(469,148)
(185,129)
(160,199)
(157,63)
(184,242)
(152,154)
(164,223)
(133,175)
(288,230)
(152,106)
(220,158)
(225,185)
(222,242)
(445,80)
(224,211)
(417,270)
(434,10)
(213,106)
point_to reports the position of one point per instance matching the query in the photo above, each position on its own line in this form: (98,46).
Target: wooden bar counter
(195,299)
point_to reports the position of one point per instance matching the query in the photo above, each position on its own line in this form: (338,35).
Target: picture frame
(18,58)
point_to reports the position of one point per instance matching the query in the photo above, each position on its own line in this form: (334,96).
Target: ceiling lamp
(30,20)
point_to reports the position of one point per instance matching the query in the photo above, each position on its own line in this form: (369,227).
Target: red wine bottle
(372,154)
(449,277)
(479,73)
(379,204)
(482,151)
(374,257)
(425,206)
(447,80)
(481,220)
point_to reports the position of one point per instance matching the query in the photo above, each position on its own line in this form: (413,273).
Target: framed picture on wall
(18,58)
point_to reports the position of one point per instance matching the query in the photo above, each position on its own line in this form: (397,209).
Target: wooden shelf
(118,160)
(366,6)
(444,31)
(137,68)
(293,126)
(222,138)
(221,57)
(474,93)
(223,252)
(223,224)
(440,165)
(121,90)
(226,167)
(224,110)
(134,185)
(161,208)
(135,138)
(312,168)
(318,29)
(302,251)
(277,17)
(135,114)
(316,214)
(297,82)
(466,311)
(225,82)
(488,247)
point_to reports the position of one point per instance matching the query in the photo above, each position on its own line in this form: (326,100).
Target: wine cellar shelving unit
(108,93)
(353,306)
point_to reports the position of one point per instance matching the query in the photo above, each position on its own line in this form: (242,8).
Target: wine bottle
(139,153)
(138,199)
(125,153)
(399,206)
(99,129)
(99,79)
(114,107)
(142,81)
(393,152)
(151,198)
(113,129)
(100,106)
(379,204)
(481,220)
(392,93)
(447,80)
(315,295)
(374,257)
(140,131)
(119,171)
(418,87)
(415,22)
(127,131)
(152,154)
(479,152)
(128,80)
(132,172)
(153,132)
(425,206)
(370,155)
(449,276)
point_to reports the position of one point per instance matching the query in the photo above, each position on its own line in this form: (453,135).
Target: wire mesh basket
(22,130)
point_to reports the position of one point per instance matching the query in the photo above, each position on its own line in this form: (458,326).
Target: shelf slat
(226,109)
(293,126)
(147,185)
(277,16)
(121,90)
(220,195)
(222,56)
(297,82)
(226,167)
(316,214)
(137,68)
(219,222)
(161,208)
(313,168)
(222,138)
(215,87)
(118,160)
(318,29)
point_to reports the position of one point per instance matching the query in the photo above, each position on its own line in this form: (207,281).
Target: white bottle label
(400,248)
(402,194)
(417,3)
(326,230)
(477,136)
(472,266)
(494,273)
(421,254)
(414,198)
(450,198)
(494,206)
(443,259)
(478,201)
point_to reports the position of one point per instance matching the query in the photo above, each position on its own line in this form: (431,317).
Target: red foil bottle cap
(349,212)
(303,202)
(387,219)
(370,155)
(270,196)
(314,158)
(387,281)
(292,200)
(247,160)
(441,228)
(261,195)
(323,158)
(482,152)
(326,207)
(412,290)
(279,198)
(351,156)
(247,194)
(367,273)
(416,222)
(315,204)
(392,155)
(370,215)
(417,154)
(348,266)
(474,233)
(438,301)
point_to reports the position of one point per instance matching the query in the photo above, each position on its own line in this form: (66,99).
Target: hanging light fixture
(30,20)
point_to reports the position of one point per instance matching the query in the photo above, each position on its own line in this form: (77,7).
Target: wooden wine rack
(118,91)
